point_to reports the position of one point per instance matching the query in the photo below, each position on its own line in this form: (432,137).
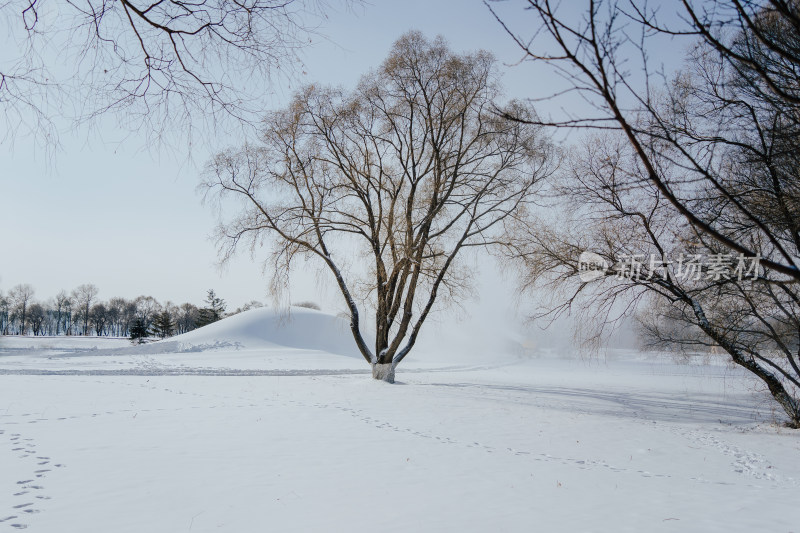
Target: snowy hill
(267,328)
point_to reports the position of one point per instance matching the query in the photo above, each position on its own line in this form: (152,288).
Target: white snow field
(262,424)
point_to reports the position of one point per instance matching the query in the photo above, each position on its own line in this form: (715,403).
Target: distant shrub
(252,304)
(308,305)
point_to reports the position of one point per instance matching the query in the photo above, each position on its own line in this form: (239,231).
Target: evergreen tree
(163,325)
(139,331)
(213,311)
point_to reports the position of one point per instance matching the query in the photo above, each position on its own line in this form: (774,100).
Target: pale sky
(109,210)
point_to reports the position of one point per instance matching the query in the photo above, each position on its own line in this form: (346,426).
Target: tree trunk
(383,372)
(789,403)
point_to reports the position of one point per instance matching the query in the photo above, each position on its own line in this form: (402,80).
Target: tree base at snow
(383,372)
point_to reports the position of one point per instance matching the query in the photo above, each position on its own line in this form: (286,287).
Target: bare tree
(153,62)
(62,303)
(695,293)
(129,316)
(188,317)
(69,316)
(37,315)
(98,316)
(5,311)
(115,310)
(407,171)
(597,51)
(703,162)
(83,297)
(146,308)
(21,296)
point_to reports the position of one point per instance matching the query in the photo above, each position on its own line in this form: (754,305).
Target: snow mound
(266,328)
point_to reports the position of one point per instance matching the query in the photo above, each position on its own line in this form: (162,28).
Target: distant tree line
(81,312)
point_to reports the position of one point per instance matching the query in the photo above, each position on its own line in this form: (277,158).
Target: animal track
(37,472)
(743,461)
(582,464)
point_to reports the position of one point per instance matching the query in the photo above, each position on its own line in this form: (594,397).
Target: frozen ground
(251,425)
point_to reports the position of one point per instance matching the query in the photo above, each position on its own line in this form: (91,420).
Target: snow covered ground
(259,423)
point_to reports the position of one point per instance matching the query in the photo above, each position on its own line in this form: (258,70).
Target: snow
(256,424)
